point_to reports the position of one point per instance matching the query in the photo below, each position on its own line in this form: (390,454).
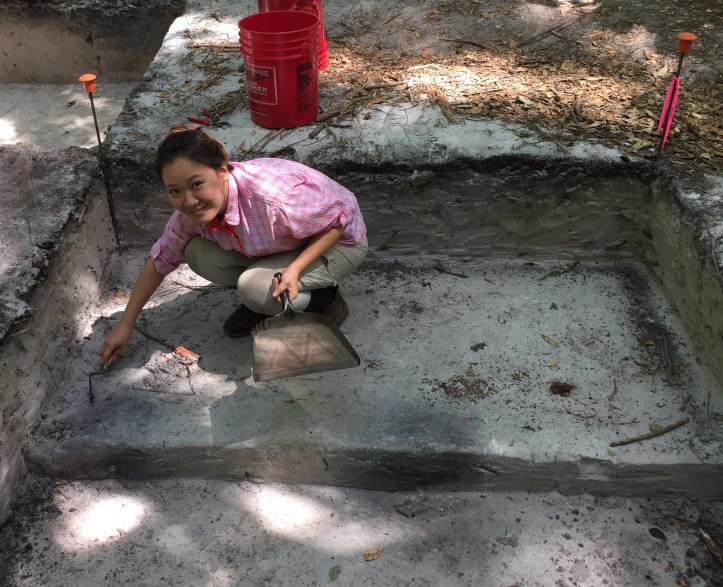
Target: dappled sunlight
(288,514)
(321,521)
(105,521)
(7,131)
(58,116)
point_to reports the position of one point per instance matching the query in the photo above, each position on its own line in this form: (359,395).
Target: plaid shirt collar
(232,216)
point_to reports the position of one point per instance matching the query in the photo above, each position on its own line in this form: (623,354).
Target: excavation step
(199,532)
(505,375)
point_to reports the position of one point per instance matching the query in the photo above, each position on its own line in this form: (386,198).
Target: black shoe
(241,322)
(337,310)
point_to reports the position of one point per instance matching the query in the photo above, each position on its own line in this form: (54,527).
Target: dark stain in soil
(468,386)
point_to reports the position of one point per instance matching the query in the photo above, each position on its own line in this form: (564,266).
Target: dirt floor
(589,69)
(568,70)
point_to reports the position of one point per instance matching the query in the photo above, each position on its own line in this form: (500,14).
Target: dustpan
(296,343)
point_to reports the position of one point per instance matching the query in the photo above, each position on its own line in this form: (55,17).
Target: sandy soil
(570,70)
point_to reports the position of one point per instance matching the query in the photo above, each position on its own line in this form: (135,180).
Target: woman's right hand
(114,343)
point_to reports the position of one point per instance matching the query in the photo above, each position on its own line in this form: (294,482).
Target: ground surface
(67,119)
(507,374)
(229,534)
(562,70)
(588,69)
(568,70)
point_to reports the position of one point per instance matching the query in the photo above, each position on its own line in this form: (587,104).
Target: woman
(240,223)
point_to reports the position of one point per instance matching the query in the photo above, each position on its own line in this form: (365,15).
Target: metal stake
(88,81)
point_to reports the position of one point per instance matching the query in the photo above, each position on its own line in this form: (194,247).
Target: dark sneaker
(337,310)
(241,322)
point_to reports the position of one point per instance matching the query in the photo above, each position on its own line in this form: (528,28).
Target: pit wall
(116,41)
(505,209)
(682,256)
(35,357)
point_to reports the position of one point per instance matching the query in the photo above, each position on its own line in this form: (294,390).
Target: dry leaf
(712,546)
(560,388)
(648,55)
(123,295)
(549,340)
(373,554)
(696,451)
(184,352)
(553,363)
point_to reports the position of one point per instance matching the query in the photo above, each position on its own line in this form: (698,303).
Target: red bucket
(310,6)
(280,50)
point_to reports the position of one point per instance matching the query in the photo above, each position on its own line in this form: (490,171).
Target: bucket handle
(308,6)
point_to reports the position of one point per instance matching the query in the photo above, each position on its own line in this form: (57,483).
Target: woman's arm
(315,248)
(117,339)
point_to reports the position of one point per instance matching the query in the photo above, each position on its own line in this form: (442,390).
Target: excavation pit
(486,286)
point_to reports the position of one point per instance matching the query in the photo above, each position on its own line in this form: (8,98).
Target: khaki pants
(252,277)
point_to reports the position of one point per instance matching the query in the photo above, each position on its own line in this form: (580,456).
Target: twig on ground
(709,542)
(712,252)
(557,272)
(669,368)
(442,269)
(328,116)
(611,397)
(650,435)
(154,338)
(393,18)
(542,34)
(559,36)
(267,139)
(712,546)
(314,133)
(685,402)
(202,287)
(383,86)
(464,42)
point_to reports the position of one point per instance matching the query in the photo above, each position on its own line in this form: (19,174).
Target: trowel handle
(286,306)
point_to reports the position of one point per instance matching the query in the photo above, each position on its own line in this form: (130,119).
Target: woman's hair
(193,144)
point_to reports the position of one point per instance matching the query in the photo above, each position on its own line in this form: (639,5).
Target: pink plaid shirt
(273,206)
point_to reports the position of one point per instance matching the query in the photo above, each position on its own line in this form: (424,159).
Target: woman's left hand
(289,282)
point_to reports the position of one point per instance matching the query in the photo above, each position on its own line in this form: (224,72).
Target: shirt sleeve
(169,251)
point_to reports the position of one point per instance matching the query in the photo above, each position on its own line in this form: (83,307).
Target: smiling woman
(265,226)
(197,191)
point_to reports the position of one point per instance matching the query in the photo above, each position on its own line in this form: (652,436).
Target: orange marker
(685,42)
(685,45)
(88,81)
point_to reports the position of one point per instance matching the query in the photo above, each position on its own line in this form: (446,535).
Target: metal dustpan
(295,343)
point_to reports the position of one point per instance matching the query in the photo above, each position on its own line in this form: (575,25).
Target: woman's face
(196,190)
